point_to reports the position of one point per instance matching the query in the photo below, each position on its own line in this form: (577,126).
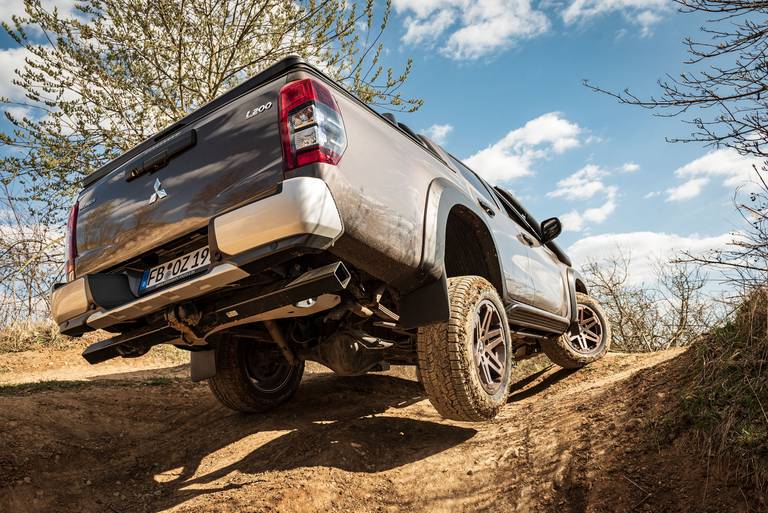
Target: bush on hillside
(726,400)
(31,335)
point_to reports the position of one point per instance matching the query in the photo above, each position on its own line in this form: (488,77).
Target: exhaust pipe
(220,315)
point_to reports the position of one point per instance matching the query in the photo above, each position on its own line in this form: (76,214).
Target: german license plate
(175,270)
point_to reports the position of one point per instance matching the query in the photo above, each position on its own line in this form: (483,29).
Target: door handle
(485,206)
(526,239)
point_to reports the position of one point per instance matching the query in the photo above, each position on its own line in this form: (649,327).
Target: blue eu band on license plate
(175,270)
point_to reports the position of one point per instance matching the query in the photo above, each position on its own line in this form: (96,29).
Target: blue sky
(506,74)
(502,85)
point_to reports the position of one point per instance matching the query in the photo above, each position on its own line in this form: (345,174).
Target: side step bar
(216,316)
(526,316)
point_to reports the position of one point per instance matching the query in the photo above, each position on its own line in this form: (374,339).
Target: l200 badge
(258,110)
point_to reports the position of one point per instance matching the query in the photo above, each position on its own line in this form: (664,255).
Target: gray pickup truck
(287,221)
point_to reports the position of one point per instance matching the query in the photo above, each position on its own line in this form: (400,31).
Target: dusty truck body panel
(203,181)
(288,213)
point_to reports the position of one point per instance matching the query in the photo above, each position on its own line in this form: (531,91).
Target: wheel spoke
(494,363)
(590,335)
(491,334)
(486,322)
(493,343)
(487,371)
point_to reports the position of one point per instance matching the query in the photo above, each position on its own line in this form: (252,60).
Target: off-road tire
(445,351)
(237,390)
(560,351)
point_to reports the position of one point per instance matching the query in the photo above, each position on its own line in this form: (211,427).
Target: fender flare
(428,302)
(575,282)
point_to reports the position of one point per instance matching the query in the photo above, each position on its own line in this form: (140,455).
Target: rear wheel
(465,363)
(586,341)
(253,376)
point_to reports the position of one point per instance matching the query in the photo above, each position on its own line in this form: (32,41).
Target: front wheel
(588,340)
(465,363)
(252,376)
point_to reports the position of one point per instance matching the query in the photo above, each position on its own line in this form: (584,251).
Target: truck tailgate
(176,184)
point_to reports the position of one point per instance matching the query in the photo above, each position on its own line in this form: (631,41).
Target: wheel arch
(470,249)
(456,240)
(576,284)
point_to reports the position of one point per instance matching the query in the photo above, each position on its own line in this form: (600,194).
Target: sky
(502,87)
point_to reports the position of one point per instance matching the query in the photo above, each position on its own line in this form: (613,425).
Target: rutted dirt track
(567,441)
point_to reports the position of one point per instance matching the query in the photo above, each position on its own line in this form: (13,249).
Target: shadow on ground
(136,447)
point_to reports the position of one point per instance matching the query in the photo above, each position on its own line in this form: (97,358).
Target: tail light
(72,241)
(311,127)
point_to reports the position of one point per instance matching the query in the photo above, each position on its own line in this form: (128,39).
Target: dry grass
(30,335)
(726,402)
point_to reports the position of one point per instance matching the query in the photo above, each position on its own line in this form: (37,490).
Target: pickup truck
(285,222)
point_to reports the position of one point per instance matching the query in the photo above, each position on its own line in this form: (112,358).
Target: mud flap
(202,365)
(425,305)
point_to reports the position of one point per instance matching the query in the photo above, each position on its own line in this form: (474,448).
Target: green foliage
(102,81)
(726,400)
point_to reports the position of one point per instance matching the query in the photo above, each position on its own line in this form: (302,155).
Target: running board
(526,316)
(215,316)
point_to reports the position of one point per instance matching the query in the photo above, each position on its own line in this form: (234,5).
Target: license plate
(175,270)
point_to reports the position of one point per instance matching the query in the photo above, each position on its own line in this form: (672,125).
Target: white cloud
(420,30)
(630,167)
(646,19)
(576,221)
(9,8)
(687,190)
(581,185)
(644,249)
(513,156)
(724,165)
(10,60)
(438,133)
(477,27)
(643,13)
(19,112)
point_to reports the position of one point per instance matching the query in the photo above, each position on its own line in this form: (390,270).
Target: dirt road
(127,442)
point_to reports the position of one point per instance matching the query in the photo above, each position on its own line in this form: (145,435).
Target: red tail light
(311,127)
(72,241)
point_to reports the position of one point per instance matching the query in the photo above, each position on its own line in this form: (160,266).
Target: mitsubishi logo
(159,192)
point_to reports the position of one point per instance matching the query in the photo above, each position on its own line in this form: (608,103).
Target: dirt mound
(567,441)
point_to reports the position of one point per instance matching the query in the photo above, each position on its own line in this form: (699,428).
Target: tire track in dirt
(367,444)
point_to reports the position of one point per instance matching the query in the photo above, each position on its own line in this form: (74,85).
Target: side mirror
(550,228)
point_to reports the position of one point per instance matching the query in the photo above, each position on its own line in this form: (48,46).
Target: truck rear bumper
(303,207)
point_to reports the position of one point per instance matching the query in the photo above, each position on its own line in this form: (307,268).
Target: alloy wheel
(589,334)
(489,346)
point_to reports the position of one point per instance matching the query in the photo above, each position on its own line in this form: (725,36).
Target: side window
(475,180)
(518,214)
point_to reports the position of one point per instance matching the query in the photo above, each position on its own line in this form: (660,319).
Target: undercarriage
(310,308)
